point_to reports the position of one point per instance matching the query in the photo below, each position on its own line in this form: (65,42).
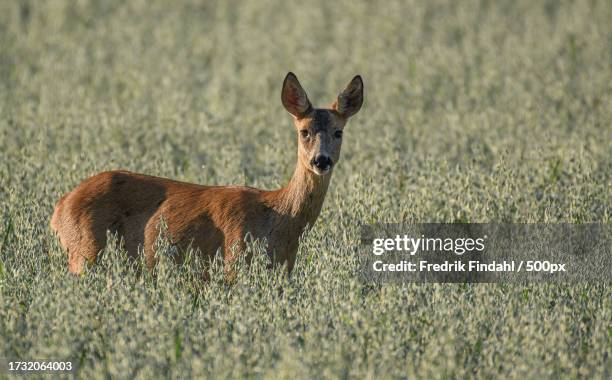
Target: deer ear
(350,99)
(294,97)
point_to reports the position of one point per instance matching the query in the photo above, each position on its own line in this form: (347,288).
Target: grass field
(474,112)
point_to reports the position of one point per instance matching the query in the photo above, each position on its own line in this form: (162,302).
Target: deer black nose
(322,162)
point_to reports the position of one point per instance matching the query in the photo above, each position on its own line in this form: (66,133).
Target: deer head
(320,129)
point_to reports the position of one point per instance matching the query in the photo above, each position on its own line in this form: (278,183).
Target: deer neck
(301,200)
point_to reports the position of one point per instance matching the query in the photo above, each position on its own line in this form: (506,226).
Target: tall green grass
(475,111)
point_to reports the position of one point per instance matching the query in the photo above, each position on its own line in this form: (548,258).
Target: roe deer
(211,217)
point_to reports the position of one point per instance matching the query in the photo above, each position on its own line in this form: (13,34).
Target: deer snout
(322,162)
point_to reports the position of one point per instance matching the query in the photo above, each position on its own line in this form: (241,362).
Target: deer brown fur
(211,217)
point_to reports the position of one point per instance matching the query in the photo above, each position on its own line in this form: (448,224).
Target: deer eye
(338,134)
(304,133)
